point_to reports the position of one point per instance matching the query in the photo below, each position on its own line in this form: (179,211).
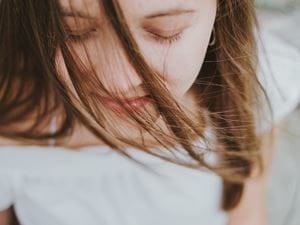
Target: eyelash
(166,40)
(80,37)
(158,38)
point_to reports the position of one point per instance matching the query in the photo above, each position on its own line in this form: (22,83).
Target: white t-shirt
(56,186)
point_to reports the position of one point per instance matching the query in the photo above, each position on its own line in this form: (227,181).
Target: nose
(122,80)
(127,83)
(116,72)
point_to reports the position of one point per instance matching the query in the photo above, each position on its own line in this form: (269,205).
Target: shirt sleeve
(6,191)
(279,74)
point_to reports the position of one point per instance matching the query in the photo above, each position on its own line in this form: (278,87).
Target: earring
(212,38)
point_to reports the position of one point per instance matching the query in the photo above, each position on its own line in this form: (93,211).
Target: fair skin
(179,61)
(187,24)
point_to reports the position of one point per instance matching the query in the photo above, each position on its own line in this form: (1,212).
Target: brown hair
(227,87)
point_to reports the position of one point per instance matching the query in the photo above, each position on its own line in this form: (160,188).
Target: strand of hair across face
(52,129)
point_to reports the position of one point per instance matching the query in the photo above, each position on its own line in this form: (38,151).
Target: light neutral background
(282,19)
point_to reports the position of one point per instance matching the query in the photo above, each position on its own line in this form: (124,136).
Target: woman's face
(173,36)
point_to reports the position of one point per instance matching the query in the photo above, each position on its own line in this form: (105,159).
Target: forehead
(131,7)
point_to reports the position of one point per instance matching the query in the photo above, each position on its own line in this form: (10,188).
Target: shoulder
(6,142)
(6,185)
(5,179)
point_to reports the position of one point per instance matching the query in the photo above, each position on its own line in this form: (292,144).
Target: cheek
(182,61)
(61,67)
(63,74)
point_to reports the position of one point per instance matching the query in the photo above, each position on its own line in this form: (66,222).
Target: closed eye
(80,36)
(166,39)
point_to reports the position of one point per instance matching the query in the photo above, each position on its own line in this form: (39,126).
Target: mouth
(131,104)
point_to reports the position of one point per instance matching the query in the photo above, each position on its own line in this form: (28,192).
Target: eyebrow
(162,13)
(172,12)
(75,13)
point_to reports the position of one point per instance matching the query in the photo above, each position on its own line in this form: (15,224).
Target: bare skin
(182,61)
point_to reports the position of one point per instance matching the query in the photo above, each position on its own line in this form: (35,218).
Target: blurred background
(281,19)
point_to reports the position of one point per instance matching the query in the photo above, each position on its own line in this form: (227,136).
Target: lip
(131,104)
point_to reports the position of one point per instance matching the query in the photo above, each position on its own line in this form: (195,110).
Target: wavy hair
(32,31)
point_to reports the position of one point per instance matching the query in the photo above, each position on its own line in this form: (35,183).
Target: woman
(170,80)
